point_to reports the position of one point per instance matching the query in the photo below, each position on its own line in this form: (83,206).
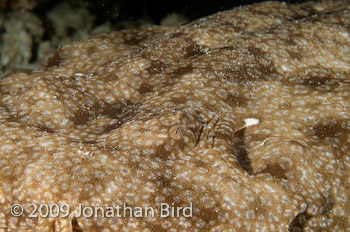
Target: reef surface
(241,118)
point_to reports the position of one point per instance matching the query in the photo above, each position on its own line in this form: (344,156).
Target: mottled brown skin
(157,115)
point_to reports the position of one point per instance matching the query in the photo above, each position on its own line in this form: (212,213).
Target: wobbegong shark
(238,121)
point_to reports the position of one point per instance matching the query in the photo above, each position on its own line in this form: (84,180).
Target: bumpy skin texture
(150,116)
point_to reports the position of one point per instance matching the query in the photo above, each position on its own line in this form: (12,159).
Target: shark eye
(177,131)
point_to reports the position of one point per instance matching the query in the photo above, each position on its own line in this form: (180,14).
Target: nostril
(238,145)
(241,152)
(177,131)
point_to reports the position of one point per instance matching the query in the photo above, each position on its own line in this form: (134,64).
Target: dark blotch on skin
(156,67)
(177,34)
(264,64)
(239,100)
(276,171)
(55,61)
(315,79)
(82,117)
(113,111)
(45,129)
(256,66)
(178,101)
(135,40)
(111,127)
(75,226)
(299,221)
(333,133)
(328,206)
(194,51)
(163,181)
(183,70)
(208,215)
(162,153)
(145,88)
(328,129)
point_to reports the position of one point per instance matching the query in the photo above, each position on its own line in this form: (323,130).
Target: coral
(23,31)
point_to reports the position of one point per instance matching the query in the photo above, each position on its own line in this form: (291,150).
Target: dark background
(157,9)
(153,10)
